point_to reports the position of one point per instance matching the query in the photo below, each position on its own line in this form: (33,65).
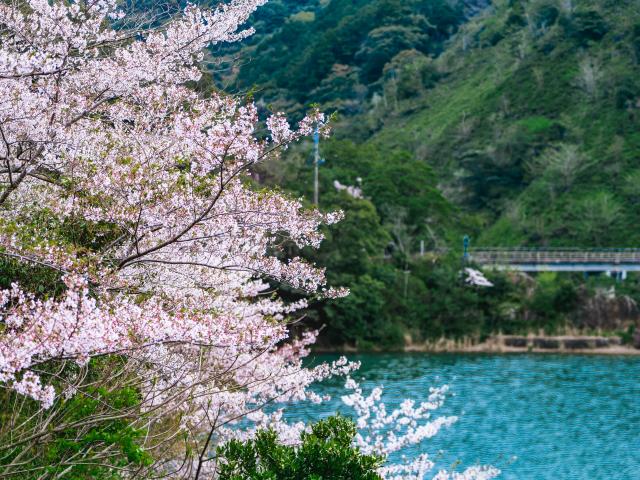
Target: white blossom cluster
(385,433)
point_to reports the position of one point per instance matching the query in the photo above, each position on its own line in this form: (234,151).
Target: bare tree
(567,6)
(560,166)
(596,214)
(589,76)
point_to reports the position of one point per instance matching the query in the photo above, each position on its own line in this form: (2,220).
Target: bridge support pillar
(620,276)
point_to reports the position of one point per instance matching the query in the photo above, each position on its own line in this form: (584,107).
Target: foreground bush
(327,452)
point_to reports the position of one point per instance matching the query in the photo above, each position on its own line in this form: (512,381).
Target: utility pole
(406,272)
(316,164)
(466,241)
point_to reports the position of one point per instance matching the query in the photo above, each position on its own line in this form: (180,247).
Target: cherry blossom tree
(385,433)
(162,243)
(135,192)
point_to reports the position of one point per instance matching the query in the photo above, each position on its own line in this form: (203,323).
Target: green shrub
(553,299)
(586,25)
(411,73)
(90,426)
(546,15)
(542,126)
(327,453)
(516,20)
(635,42)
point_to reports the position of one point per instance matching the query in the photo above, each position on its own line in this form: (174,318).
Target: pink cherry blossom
(98,128)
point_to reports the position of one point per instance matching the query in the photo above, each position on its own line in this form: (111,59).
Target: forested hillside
(336,51)
(536,125)
(515,123)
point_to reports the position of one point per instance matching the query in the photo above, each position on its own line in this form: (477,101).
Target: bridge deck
(560,259)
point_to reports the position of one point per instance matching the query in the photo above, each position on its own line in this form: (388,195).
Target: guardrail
(514,256)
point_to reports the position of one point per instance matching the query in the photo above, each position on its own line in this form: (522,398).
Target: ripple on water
(563,417)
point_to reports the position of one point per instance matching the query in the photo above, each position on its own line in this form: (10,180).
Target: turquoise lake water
(535,417)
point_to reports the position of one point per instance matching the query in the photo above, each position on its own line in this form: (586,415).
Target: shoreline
(510,344)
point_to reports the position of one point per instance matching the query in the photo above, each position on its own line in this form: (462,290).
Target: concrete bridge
(617,261)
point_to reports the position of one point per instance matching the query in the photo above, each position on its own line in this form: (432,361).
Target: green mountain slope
(334,52)
(518,126)
(536,126)
(529,116)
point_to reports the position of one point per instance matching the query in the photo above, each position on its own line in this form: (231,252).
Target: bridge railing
(554,255)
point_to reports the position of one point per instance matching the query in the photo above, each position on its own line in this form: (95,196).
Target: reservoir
(536,417)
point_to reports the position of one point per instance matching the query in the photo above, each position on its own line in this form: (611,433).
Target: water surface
(538,417)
